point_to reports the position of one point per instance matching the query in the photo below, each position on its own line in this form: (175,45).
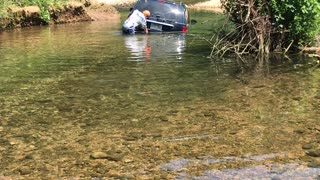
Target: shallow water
(155,105)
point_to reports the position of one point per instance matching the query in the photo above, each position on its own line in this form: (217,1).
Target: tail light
(184,29)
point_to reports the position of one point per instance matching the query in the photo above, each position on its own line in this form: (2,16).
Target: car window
(163,10)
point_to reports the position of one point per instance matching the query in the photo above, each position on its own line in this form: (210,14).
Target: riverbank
(68,13)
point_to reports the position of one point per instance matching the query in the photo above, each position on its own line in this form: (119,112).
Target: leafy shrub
(3,8)
(275,23)
(42,4)
(301,18)
(253,27)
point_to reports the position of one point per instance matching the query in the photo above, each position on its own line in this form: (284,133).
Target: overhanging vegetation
(263,26)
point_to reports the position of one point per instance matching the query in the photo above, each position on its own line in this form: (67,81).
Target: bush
(3,8)
(301,18)
(42,4)
(267,24)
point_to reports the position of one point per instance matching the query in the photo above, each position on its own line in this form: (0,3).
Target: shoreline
(70,13)
(87,10)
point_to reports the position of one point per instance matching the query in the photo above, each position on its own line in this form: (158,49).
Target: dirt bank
(101,11)
(22,17)
(72,12)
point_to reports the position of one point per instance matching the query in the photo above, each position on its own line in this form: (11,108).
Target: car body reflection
(157,46)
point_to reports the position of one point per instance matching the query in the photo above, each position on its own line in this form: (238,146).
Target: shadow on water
(85,101)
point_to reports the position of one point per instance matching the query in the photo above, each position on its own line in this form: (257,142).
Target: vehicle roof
(170,4)
(167,10)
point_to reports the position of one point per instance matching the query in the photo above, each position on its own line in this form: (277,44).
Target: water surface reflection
(156,46)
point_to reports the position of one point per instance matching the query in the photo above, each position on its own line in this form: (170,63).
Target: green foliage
(40,3)
(280,22)
(241,11)
(301,18)
(3,8)
(44,6)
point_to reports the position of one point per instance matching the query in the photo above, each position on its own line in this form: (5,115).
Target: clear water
(156,105)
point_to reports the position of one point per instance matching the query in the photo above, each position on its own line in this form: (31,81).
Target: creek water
(84,101)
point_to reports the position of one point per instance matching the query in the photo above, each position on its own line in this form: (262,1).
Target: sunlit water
(155,105)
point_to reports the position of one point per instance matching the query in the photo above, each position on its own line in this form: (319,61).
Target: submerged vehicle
(165,16)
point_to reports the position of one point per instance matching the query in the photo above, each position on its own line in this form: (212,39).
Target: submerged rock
(115,155)
(314,162)
(110,155)
(24,170)
(177,165)
(307,146)
(314,153)
(99,155)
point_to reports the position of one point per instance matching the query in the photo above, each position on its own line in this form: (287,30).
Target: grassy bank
(44,5)
(25,13)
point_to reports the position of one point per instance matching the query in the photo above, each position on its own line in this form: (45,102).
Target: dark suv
(165,15)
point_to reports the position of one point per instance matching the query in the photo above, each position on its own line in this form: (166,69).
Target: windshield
(163,10)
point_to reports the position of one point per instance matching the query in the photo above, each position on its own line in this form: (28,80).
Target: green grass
(4,4)
(42,4)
